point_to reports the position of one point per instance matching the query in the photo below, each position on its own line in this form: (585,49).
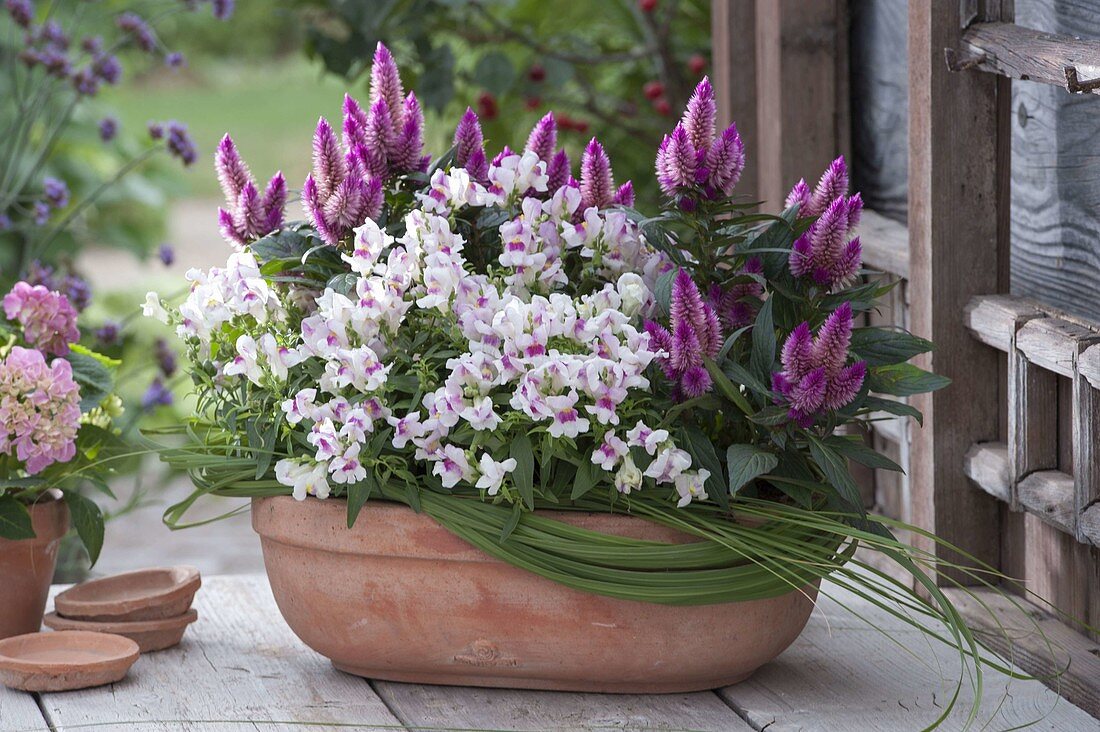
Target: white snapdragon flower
(636,297)
(644,437)
(629,477)
(346,468)
(406,428)
(690,487)
(669,463)
(280,359)
(610,450)
(517,174)
(301,406)
(153,307)
(370,241)
(493,473)
(246,362)
(452,466)
(304,476)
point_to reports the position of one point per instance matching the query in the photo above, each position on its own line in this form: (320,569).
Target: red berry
(532,103)
(653,89)
(647,6)
(580,126)
(487,106)
(697,64)
(536,73)
(663,107)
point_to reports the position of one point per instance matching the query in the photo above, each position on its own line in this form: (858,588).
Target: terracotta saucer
(147,594)
(65,660)
(150,635)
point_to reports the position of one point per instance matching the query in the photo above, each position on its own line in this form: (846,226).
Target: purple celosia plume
(736,306)
(558,172)
(470,147)
(248,214)
(597,179)
(624,196)
(694,333)
(543,138)
(832,184)
(694,157)
(815,373)
(385,79)
(825,253)
(46,316)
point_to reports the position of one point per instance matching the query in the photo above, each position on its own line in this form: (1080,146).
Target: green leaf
(495,72)
(727,388)
(763,343)
(746,462)
(343,283)
(358,493)
(703,455)
(662,292)
(88,520)
(861,453)
(512,522)
(588,474)
(15,519)
(901,409)
(835,469)
(524,474)
(111,363)
(93,378)
(283,244)
(904,379)
(883,347)
(772,415)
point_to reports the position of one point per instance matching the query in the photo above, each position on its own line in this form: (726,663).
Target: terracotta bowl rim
(125,649)
(120,627)
(75,608)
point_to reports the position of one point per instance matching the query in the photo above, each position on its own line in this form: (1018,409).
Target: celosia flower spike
(274,202)
(725,160)
(832,185)
(597,181)
(694,333)
(624,196)
(800,196)
(329,167)
(558,172)
(676,162)
(232,171)
(700,117)
(543,138)
(355,123)
(385,81)
(824,252)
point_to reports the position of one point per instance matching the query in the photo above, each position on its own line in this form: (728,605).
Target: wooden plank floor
(240,667)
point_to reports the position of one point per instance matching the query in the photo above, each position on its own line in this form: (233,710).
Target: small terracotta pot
(398,597)
(27,565)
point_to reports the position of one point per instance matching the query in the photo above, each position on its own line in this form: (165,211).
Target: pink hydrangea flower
(39,409)
(47,317)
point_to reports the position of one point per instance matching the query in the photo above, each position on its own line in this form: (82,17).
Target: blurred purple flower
(174,60)
(77,289)
(165,357)
(85,83)
(55,192)
(107,68)
(41,213)
(107,334)
(21,11)
(223,9)
(135,26)
(157,395)
(543,138)
(5,222)
(51,34)
(108,128)
(166,254)
(180,143)
(156,130)
(558,172)
(92,44)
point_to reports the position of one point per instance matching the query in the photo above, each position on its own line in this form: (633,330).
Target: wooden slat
(987,464)
(1068,661)
(239,663)
(839,658)
(1032,415)
(885,244)
(460,707)
(1088,365)
(19,711)
(733,39)
(1022,53)
(958,233)
(992,319)
(1048,494)
(1052,343)
(1088,523)
(1086,454)
(801,91)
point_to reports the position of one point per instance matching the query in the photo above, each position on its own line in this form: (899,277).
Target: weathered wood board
(239,663)
(19,712)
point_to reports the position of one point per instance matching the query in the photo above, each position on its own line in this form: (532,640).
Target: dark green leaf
(835,469)
(344,283)
(703,455)
(588,473)
(904,379)
(763,343)
(93,378)
(15,519)
(88,520)
(287,243)
(524,474)
(512,522)
(746,462)
(901,409)
(358,493)
(883,347)
(861,453)
(726,387)
(772,415)
(662,292)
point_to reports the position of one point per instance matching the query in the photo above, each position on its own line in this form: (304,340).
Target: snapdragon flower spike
(543,138)
(832,185)
(248,215)
(694,333)
(816,375)
(824,253)
(597,180)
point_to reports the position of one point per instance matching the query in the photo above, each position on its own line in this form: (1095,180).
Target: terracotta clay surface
(398,597)
(150,635)
(145,594)
(65,660)
(27,565)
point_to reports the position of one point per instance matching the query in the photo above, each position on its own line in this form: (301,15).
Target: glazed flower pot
(398,597)
(27,565)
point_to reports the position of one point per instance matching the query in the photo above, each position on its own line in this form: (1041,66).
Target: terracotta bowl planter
(398,597)
(27,565)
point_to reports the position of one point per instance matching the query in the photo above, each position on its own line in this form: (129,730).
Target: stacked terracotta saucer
(152,607)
